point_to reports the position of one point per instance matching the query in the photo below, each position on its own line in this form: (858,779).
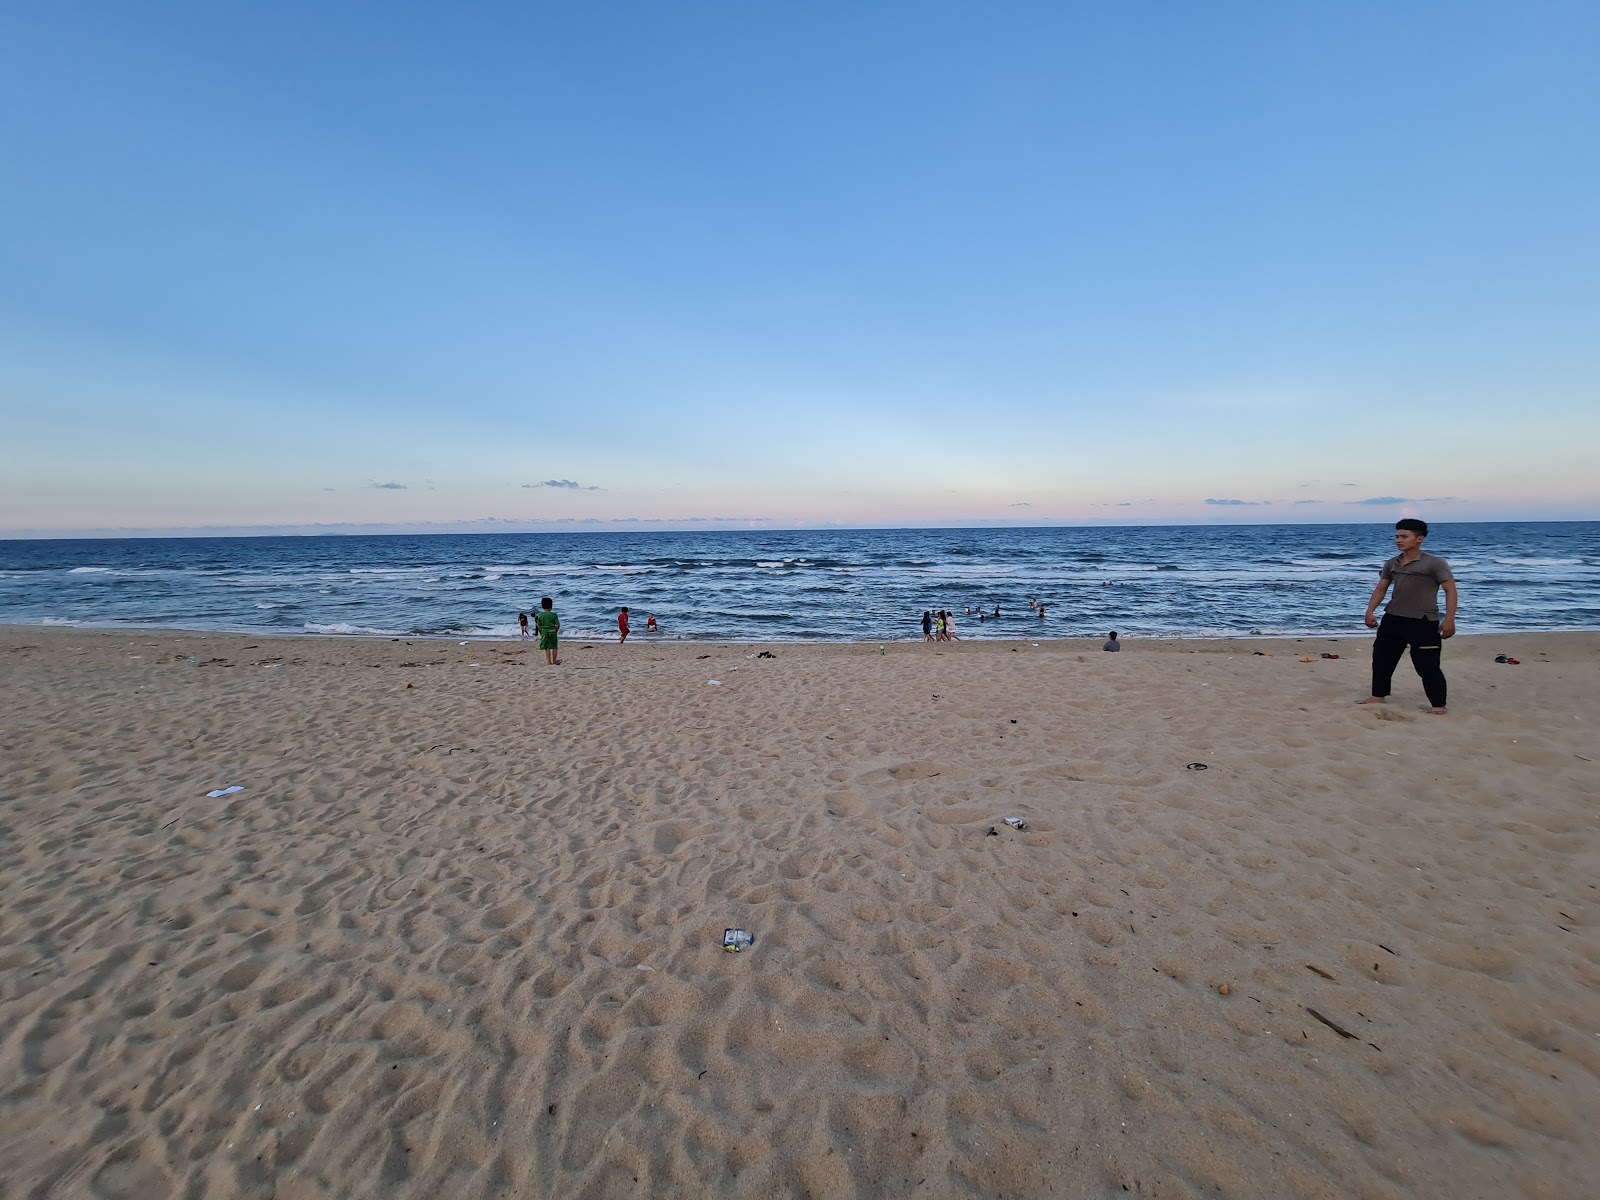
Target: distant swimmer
(650,624)
(1111,642)
(1411,619)
(997,611)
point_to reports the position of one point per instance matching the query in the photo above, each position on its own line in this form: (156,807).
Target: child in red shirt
(622,624)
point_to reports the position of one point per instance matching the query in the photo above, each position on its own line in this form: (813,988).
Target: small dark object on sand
(1197,767)
(1340,1030)
(993,832)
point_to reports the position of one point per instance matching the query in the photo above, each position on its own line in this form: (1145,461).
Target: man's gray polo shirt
(1416,585)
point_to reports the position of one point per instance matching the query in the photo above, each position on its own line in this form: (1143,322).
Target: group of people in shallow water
(939,625)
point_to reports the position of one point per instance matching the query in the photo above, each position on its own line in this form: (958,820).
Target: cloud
(569,484)
(330,489)
(388,487)
(1238,503)
(1382,501)
(1020,504)
(1347,485)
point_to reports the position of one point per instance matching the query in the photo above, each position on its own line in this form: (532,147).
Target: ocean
(809,585)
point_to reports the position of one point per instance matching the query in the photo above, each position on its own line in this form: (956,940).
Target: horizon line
(495,527)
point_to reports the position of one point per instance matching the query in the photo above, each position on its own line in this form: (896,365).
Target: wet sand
(460,934)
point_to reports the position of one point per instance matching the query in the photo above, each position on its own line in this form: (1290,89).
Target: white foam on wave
(263,604)
(340,627)
(91,571)
(58,621)
(1538,562)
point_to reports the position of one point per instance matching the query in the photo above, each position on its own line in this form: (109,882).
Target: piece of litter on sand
(713,683)
(1339,1029)
(735,940)
(227,791)
(1196,767)
(993,832)
(1015,822)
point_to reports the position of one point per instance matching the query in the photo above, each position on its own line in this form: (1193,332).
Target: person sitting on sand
(1411,618)
(549,626)
(1111,642)
(522,620)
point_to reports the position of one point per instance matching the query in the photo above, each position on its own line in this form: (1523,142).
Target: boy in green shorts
(548,625)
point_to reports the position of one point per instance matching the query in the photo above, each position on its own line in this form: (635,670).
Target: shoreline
(461,931)
(642,639)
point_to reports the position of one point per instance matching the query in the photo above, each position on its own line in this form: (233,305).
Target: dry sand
(460,934)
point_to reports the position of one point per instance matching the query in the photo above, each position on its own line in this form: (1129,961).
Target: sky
(409,266)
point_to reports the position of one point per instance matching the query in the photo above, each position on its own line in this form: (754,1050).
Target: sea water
(811,585)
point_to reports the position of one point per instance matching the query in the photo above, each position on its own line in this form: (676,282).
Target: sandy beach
(460,934)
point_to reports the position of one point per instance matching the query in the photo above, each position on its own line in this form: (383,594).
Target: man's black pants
(1421,634)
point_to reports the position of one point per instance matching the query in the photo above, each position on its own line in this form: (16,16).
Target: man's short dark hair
(1420,528)
(1113,635)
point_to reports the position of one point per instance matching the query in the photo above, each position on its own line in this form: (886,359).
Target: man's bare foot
(1437,712)
(1371,700)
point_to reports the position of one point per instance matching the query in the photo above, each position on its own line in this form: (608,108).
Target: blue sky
(301,265)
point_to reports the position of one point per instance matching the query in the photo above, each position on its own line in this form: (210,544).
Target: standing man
(1412,617)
